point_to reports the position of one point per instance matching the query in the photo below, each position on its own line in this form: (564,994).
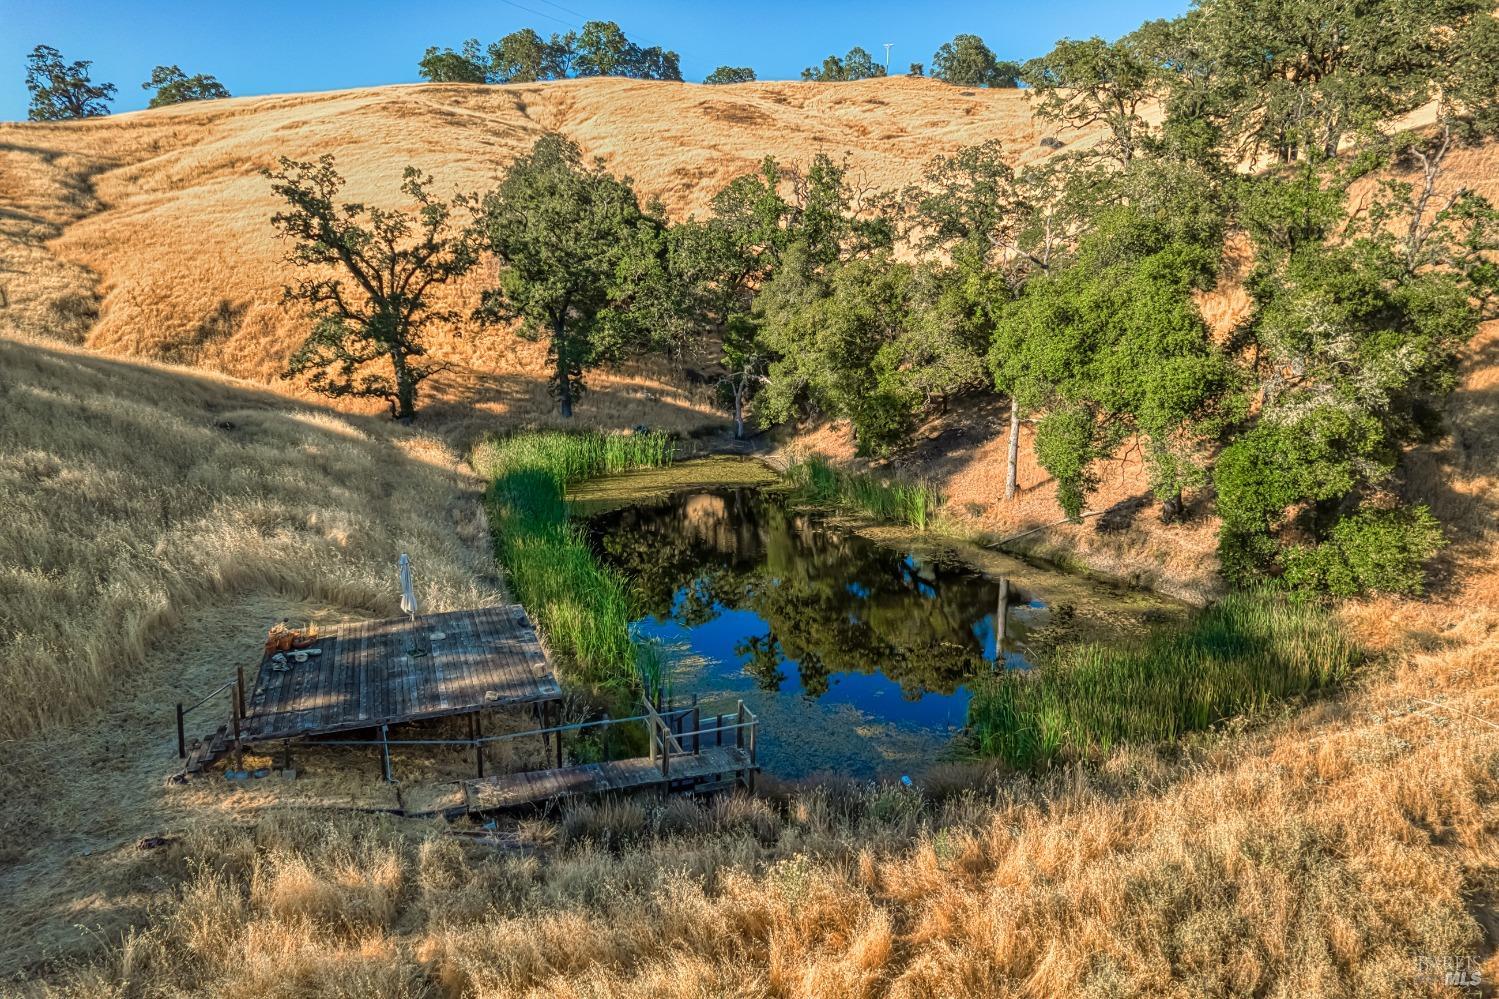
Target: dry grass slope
(136,495)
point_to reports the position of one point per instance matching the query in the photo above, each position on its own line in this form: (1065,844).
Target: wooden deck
(374,673)
(538,786)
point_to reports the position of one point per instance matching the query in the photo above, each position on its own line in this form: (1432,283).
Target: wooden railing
(678,732)
(236,688)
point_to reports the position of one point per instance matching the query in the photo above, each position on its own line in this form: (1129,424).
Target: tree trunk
(405,402)
(1172,508)
(739,412)
(1013,467)
(564,377)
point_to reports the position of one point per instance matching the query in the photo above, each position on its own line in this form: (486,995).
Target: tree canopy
(858,64)
(173,86)
(63,90)
(731,74)
(578,256)
(967,62)
(374,273)
(523,56)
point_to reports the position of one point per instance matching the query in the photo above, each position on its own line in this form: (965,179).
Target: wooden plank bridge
(371,675)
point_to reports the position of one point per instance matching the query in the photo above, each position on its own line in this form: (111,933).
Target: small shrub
(1373,551)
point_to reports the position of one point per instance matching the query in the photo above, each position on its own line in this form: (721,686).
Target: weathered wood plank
(365,676)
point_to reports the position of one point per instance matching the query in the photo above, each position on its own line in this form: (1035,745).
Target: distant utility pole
(888,46)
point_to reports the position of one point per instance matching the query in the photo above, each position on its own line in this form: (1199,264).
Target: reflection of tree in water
(834,602)
(763,658)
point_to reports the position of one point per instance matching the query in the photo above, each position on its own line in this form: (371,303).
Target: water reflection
(813,622)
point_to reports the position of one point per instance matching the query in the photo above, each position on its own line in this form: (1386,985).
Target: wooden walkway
(537,786)
(374,673)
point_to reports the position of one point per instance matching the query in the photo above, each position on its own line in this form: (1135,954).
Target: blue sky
(281,46)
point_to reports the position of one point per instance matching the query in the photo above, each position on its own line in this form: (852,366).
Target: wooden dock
(374,673)
(688,752)
(714,765)
(371,675)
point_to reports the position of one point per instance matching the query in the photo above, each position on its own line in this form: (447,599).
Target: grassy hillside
(160,221)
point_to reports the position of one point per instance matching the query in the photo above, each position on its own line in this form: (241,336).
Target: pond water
(858,656)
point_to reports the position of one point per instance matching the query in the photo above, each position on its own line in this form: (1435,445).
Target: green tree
(602,49)
(386,265)
(1296,78)
(916,69)
(836,340)
(731,74)
(525,57)
(1094,83)
(1111,348)
(173,86)
(726,259)
(446,66)
(967,62)
(63,90)
(858,64)
(999,229)
(1357,327)
(564,232)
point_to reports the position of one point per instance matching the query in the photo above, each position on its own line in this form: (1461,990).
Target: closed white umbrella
(408,592)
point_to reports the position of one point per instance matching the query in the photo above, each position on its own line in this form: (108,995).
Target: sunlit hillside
(159,220)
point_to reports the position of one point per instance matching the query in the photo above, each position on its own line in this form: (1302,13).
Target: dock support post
(473,734)
(239,688)
(239,752)
(697,725)
(181,734)
(385,753)
(286,756)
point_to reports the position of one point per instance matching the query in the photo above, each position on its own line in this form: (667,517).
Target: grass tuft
(1237,657)
(904,501)
(583,607)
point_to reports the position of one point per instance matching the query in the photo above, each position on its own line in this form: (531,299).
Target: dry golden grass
(137,495)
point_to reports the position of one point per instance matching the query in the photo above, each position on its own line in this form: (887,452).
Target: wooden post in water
(181,734)
(1001,622)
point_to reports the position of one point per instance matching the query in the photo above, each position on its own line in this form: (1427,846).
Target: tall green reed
(815,480)
(1237,657)
(583,607)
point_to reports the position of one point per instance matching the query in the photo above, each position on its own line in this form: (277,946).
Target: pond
(858,655)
